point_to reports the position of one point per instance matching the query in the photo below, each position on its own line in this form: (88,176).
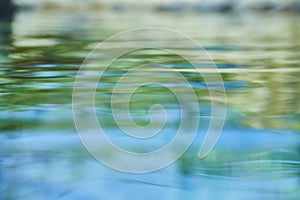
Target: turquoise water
(256,157)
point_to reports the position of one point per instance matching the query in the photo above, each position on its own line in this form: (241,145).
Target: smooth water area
(256,157)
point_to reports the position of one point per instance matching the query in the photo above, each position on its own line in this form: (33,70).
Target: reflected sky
(257,156)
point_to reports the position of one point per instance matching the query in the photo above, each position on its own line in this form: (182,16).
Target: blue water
(256,157)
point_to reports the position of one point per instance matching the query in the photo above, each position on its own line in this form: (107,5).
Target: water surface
(257,156)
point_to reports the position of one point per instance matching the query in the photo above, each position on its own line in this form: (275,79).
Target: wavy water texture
(257,53)
(167,5)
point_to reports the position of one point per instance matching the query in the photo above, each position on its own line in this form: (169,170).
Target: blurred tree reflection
(7,8)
